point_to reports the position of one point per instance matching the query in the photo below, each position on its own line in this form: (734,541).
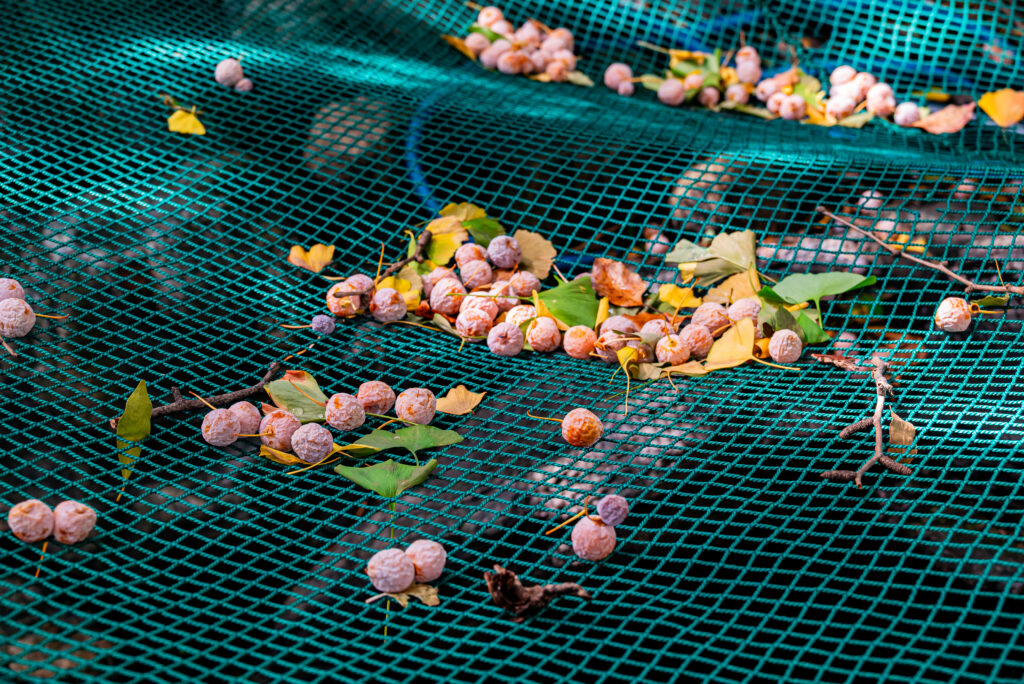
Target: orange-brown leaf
(950,119)
(314,260)
(1006,106)
(616,281)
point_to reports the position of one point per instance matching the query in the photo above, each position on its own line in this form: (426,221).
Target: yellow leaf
(688,271)
(761,348)
(538,253)
(626,356)
(459,401)
(736,286)
(679,297)
(404,288)
(460,45)
(185,122)
(282,457)
(692,368)
(1005,107)
(464,211)
(733,348)
(448,236)
(314,260)
(426,593)
(602,312)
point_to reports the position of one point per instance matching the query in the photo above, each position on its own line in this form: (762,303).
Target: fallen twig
(509,593)
(421,247)
(970,285)
(179,404)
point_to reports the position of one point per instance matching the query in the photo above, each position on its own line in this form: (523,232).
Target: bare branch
(421,247)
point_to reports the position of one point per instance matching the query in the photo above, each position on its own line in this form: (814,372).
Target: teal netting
(737,563)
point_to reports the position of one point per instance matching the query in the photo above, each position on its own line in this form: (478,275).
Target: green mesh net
(737,562)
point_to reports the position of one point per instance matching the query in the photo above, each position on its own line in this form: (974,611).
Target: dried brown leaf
(620,284)
(509,593)
(459,401)
(950,119)
(837,359)
(424,592)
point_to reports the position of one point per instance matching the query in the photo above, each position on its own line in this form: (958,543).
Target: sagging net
(737,562)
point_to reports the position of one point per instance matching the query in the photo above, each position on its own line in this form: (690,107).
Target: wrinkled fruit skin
(698,339)
(244,86)
(473,323)
(485,304)
(591,540)
(906,114)
(470,251)
(434,277)
(579,341)
(616,73)
(322,325)
(711,315)
(387,305)
(72,522)
(343,306)
(16,318)
(505,339)
(220,427)
(499,290)
(344,412)
(416,405)
(842,74)
(658,326)
(785,347)
(11,289)
(672,350)
(30,521)
(523,284)
(447,296)
(248,417)
(613,509)
(428,557)
(953,315)
(672,92)
(476,274)
(281,425)
(619,324)
(518,315)
(228,72)
(606,346)
(504,252)
(748,307)
(543,335)
(376,397)
(581,428)
(312,442)
(391,571)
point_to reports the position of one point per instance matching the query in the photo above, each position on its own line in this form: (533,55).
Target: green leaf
(992,300)
(579,78)
(389,479)
(413,439)
(442,323)
(760,112)
(285,393)
(573,303)
(645,371)
(857,120)
(686,251)
(780,318)
(813,333)
(486,32)
(729,253)
(803,287)
(483,230)
(651,81)
(807,87)
(133,427)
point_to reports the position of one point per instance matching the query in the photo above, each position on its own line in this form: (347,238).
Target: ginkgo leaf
(949,119)
(404,288)
(133,427)
(278,456)
(459,401)
(579,78)
(314,260)
(901,434)
(733,348)
(298,393)
(185,122)
(737,286)
(448,236)
(570,303)
(463,211)
(389,479)
(1005,107)
(651,81)
(692,368)
(678,297)
(538,253)
(426,593)
(602,311)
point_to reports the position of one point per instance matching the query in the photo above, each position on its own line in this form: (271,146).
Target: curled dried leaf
(949,119)
(620,284)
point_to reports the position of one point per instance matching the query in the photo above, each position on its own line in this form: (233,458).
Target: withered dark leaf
(837,359)
(618,282)
(509,593)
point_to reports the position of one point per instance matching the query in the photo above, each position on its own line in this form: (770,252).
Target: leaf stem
(421,247)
